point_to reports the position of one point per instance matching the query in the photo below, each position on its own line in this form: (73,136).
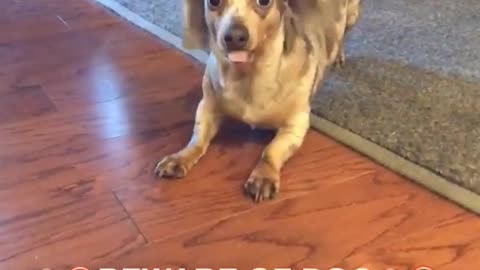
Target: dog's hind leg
(264,181)
(354,9)
(340,60)
(353,13)
(207,122)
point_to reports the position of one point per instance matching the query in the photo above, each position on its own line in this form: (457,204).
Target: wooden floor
(89,103)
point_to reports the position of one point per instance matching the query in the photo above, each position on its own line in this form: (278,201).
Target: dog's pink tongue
(238,56)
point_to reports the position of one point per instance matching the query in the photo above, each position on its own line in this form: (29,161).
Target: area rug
(408,96)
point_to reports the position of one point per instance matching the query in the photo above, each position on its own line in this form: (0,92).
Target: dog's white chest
(259,107)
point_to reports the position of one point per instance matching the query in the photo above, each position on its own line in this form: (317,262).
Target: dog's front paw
(172,166)
(263,184)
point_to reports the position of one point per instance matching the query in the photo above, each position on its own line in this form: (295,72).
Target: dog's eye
(214,3)
(264,3)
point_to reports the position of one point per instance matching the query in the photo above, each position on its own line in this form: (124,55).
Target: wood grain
(448,245)
(36,26)
(59,227)
(89,103)
(23,103)
(163,208)
(320,229)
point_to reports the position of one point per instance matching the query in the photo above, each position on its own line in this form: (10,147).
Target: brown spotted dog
(267,59)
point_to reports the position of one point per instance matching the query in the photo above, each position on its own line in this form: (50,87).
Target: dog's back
(326,22)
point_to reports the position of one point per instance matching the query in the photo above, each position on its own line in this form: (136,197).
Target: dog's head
(236,29)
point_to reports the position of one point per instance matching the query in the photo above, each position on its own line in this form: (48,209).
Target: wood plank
(36,27)
(124,77)
(113,129)
(128,115)
(316,230)
(61,227)
(55,53)
(449,245)
(24,103)
(213,189)
(20,10)
(86,249)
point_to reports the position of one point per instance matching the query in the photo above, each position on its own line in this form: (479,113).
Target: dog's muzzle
(236,39)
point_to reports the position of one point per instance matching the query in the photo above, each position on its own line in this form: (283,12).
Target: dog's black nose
(236,37)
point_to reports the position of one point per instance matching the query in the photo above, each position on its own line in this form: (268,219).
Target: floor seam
(135,224)
(250,210)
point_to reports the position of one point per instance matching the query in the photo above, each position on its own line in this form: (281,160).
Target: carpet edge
(432,182)
(396,163)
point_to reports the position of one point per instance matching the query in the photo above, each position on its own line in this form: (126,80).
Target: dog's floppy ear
(195,32)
